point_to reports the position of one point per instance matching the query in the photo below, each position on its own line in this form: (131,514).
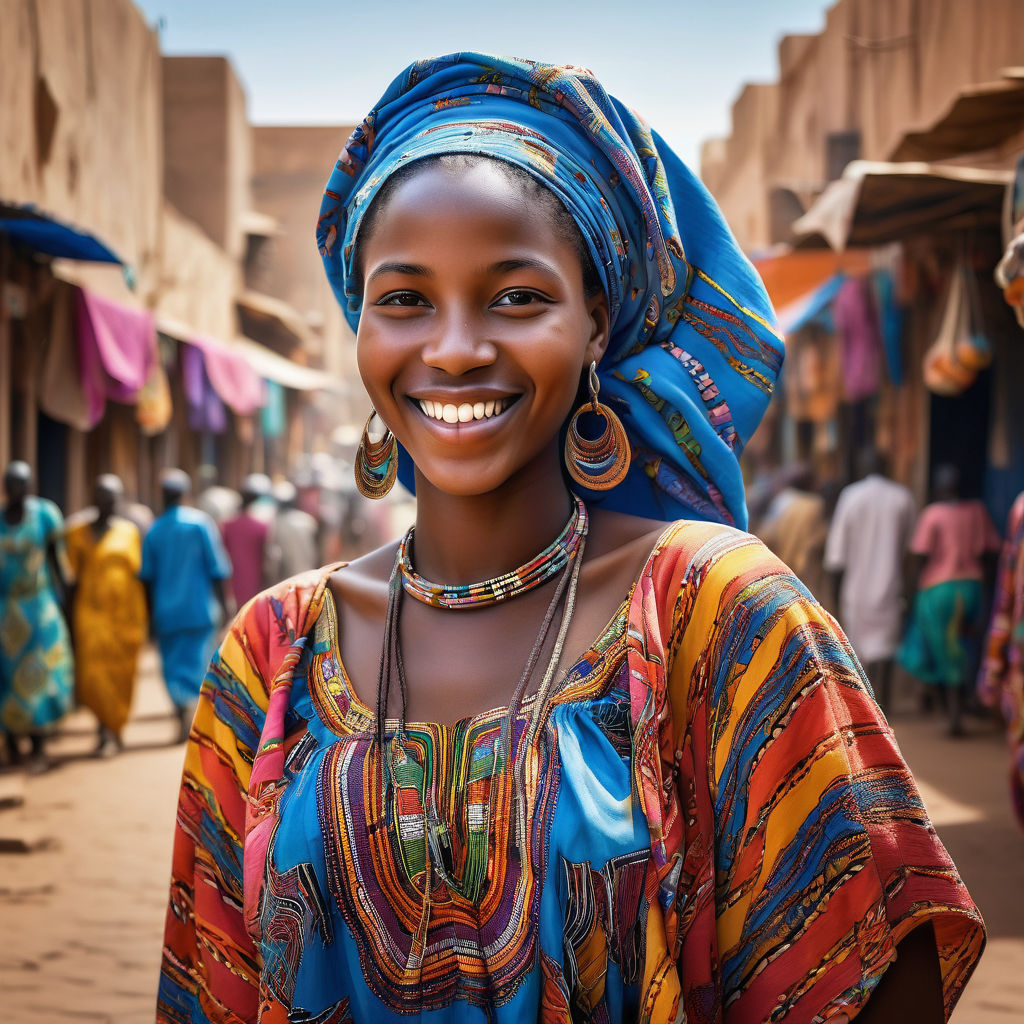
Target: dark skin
(472,295)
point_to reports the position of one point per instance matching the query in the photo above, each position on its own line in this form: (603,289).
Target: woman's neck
(466,539)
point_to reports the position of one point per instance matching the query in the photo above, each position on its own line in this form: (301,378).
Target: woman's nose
(459,346)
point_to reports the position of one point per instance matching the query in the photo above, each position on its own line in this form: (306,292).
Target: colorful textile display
(1001,681)
(206,411)
(36,665)
(709,821)
(694,353)
(230,375)
(108,617)
(116,351)
(856,321)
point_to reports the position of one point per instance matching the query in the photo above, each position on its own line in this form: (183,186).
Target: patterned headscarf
(693,354)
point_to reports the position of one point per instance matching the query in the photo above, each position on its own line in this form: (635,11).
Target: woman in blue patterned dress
(36,667)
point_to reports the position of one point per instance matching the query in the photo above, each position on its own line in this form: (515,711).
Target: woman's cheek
(378,361)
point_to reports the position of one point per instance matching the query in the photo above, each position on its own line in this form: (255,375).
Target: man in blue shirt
(184,566)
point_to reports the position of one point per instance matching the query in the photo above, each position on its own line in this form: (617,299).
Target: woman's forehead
(482,204)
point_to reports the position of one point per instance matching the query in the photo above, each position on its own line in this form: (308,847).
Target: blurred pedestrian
(184,566)
(108,610)
(794,526)
(865,554)
(36,663)
(1001,680)
(245,537)
(293,545)
(218,502)
(951,539)
(137,512)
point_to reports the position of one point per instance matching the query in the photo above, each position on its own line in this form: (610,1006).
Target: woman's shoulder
(707,552)
(273,621)
(712,576)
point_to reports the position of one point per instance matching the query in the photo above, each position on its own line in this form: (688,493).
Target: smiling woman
(564,752)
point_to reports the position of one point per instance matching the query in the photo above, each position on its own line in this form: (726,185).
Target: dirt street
(81,912)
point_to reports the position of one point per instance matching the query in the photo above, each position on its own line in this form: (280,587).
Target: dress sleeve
(798,852)
(210,966)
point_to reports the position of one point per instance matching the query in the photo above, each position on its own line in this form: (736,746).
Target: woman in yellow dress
(108,611)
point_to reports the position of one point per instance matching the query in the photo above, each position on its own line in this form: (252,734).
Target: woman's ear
(597,311)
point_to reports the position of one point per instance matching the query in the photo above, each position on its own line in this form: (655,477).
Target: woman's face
(475,328)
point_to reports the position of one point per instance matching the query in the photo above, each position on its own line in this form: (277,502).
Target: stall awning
(877,203)
(265,315)
(791,275)
(271,366)
(45,234)
(981,117)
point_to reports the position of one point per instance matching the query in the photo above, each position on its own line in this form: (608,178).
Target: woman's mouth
(464,412)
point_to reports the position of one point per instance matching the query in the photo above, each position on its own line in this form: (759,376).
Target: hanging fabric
(116,351)
(206,411)
(61,395)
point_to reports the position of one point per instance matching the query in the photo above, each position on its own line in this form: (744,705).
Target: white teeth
(464,412)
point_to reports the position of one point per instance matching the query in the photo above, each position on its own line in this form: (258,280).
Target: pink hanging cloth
(234,380)
(116,351)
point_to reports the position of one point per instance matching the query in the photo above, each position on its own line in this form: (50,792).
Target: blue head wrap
(693,354)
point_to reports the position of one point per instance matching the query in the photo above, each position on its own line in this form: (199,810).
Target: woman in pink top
(952,538)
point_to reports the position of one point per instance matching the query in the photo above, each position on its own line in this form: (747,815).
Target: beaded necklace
(510,768)
(499,588)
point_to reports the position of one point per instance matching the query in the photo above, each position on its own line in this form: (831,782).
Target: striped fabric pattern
(723,826)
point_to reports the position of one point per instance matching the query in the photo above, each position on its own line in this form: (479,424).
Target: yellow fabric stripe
(791,812)
(743,309)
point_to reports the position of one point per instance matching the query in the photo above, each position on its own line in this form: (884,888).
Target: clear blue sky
(681,63)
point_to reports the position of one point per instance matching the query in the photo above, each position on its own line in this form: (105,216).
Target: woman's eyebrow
(521,263)
(400,268)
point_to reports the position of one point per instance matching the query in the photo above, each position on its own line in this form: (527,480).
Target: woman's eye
(518,297)
(400,299)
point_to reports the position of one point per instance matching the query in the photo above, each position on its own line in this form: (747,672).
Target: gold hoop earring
(602,462)
(376,461)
